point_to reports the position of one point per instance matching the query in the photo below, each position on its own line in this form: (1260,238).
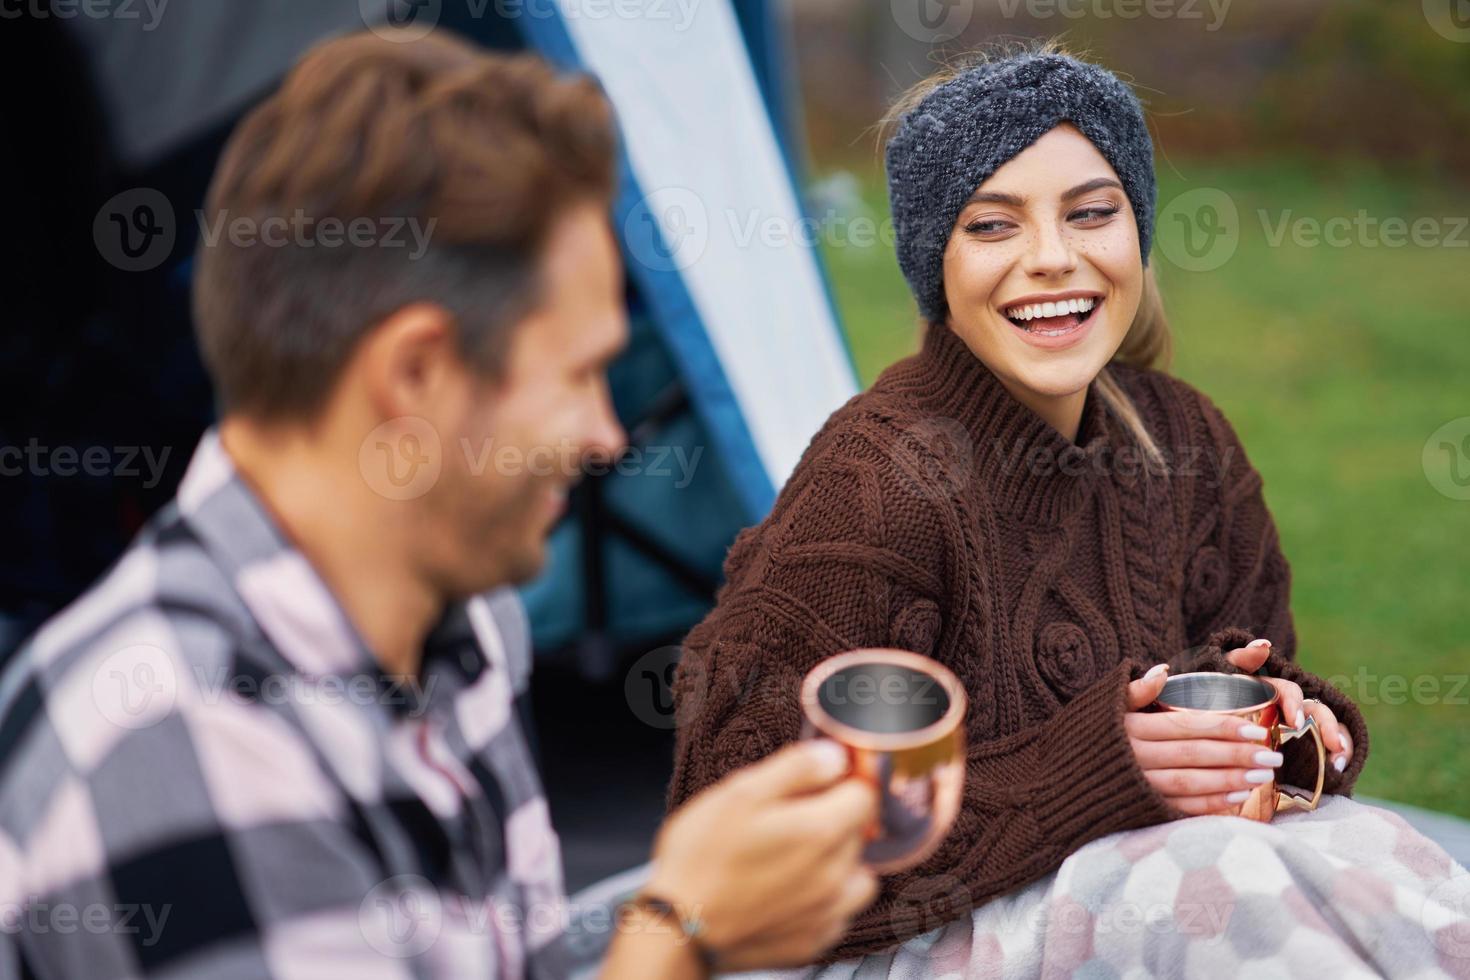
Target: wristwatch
(692,927)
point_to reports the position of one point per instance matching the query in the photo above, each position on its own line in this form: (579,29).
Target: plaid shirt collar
(298,613)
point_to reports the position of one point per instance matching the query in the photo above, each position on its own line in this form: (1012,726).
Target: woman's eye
(985,227)
(1095,214)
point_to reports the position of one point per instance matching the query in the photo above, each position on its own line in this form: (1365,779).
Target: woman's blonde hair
(1148,342)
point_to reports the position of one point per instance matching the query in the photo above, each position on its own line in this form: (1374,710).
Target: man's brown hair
(373,151)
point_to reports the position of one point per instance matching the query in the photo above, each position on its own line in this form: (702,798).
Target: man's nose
(606,442)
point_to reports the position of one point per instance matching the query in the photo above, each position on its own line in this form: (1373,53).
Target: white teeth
(1033,310)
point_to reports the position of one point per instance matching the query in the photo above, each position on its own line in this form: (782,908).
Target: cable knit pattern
(937,513)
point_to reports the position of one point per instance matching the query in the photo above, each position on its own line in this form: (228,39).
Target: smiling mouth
(1053,319)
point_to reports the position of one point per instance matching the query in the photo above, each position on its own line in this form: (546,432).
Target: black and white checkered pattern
(204,773)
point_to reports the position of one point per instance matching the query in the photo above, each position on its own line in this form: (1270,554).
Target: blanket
(1346,891)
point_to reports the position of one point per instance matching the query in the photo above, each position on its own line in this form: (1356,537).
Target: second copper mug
(1252,699)
(901,718)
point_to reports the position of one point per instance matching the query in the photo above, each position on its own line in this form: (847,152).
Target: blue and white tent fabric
(737,356)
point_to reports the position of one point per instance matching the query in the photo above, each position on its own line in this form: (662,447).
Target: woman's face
(1052,224)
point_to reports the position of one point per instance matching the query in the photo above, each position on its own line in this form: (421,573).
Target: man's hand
(769,858)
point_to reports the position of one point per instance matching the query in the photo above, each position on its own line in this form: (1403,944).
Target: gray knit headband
(965,129)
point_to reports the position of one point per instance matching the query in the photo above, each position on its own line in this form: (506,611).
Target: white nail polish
(1259,776)
(1239,796)
(1301,718)
(1155,670)
(1340,763)
(1266,757)
(1252,733)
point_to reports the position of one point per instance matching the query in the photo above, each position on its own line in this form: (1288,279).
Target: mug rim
(829,726)
(1234,678)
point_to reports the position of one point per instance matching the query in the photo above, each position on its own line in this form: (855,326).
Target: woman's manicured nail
(1301,718)
(1266,757)
(1259,776)
(1263,642)
(1340,763)
(1252,733)
(1239,796)
(1155,671)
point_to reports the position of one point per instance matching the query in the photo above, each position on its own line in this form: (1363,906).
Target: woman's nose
(1050,254)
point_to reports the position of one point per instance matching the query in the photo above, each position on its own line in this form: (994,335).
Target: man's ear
(410,361)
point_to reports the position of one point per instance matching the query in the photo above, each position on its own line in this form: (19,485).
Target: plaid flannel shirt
(204,773)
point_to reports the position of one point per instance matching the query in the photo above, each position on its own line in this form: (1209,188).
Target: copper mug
(1252,699)
(900,717)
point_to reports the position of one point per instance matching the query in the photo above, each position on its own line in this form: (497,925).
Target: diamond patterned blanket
(1347,891)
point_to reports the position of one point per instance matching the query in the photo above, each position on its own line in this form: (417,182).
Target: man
(280,737)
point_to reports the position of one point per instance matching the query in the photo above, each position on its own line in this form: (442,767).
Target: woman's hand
(1200,763)
(1334,736)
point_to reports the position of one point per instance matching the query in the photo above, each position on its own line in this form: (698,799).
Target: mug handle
(1290,801)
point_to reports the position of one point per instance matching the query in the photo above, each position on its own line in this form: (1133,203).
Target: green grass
(1335,364)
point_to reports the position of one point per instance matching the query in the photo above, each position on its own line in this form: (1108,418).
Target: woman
(1029,500)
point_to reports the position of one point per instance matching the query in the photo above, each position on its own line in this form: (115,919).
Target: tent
(737,357)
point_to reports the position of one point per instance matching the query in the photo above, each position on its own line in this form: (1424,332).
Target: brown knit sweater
(936,513)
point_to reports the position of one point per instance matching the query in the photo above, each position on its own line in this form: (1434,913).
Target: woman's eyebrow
(1016,201)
